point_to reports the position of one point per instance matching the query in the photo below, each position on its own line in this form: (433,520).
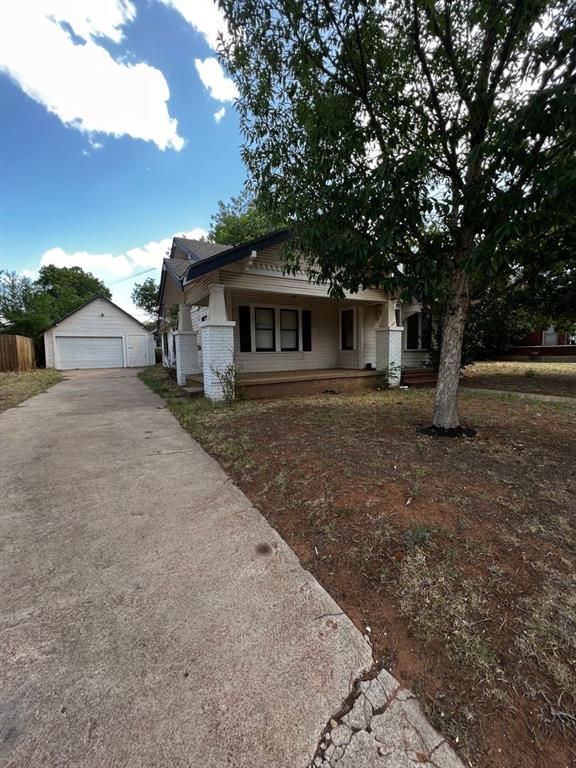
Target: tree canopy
(28,307)
(240,220)
(145,296)
(424,146)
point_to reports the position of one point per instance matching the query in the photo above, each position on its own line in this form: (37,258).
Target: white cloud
(203,15)
(98,263)
(212,75)
(220,114)
(119,271)
(206,17)
(31,273)
(81,83)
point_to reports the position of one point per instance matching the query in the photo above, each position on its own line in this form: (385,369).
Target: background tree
(424,133)
(145,296)
(240,220)
(28,307)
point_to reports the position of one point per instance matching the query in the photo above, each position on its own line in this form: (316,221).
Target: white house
(98,334)
(236,306)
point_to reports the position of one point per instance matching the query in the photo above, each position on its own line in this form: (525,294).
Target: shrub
(230,379)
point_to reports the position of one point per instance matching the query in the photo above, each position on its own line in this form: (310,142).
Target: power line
(130,277)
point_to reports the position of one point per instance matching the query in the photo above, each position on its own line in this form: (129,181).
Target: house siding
(196,291)
(325,324)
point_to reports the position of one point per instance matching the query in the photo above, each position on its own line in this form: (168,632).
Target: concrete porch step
(195,391)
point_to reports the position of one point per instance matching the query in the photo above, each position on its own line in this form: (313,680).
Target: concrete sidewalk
(151,617)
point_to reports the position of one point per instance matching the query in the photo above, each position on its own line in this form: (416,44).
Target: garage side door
(137,350)
(89,352)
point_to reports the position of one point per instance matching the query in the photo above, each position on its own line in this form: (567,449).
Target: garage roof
(86,303)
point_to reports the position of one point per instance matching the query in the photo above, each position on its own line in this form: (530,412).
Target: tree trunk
(446,403)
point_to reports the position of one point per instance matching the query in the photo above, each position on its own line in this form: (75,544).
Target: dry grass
(460,555)
(17,386)
(536,377)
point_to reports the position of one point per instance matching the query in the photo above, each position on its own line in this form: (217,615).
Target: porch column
(217,343)
(389,343)
(186,346)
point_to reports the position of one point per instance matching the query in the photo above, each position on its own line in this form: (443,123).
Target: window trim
(277,332)
(354,329)
(405,347)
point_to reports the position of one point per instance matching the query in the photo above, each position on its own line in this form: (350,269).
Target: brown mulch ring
(457,557)
(539,378)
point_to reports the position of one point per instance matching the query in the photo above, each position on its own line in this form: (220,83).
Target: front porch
(264,384)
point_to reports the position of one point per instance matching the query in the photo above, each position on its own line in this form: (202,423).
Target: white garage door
(89,352)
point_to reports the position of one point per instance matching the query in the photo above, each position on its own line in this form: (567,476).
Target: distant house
(236,306)
(99,334)
(547,343)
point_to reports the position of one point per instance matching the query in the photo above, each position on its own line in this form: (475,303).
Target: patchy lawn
(16,386)
(458,555)
(539,378)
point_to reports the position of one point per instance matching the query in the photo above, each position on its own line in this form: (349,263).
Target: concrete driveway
(149,615)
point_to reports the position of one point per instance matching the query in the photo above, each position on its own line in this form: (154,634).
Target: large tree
(240,220)
(28,307)
(412,143)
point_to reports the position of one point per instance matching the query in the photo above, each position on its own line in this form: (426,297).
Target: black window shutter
(306,330)
(245,333)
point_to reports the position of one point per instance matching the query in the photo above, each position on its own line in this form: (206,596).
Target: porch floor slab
(263,384)
(278,377)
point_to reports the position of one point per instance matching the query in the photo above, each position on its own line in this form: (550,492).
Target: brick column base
(217,355)
(186,355)
(389,351)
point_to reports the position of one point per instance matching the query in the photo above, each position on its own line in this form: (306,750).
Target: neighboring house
(285,333)
(98,335)
(546,342)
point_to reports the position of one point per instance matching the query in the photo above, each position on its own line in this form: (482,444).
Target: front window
(264,329)
(418,331)
(289,330)
(347,329)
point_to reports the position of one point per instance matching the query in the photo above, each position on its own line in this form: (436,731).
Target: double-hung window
(274,329)
(289,330)
(265,329)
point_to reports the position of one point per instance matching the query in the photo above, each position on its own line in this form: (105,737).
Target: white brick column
(389,343)
(186,355)
(217,355)
(217,343)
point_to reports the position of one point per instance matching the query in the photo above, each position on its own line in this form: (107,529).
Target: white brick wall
(186,355)
(389,350)
(217,354)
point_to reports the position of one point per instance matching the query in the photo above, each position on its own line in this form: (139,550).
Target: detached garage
(98,335)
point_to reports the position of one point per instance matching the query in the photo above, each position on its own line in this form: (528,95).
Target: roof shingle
(198,250)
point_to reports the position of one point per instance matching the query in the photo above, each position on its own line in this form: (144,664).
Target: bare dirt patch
(457,557)
(539,378)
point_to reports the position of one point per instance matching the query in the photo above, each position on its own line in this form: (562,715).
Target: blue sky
(117,131)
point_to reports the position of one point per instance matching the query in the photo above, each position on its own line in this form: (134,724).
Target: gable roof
(86,303)
(230,254)
(176,267)
(197,250)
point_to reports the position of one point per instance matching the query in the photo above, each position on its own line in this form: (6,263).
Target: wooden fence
(16,353)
